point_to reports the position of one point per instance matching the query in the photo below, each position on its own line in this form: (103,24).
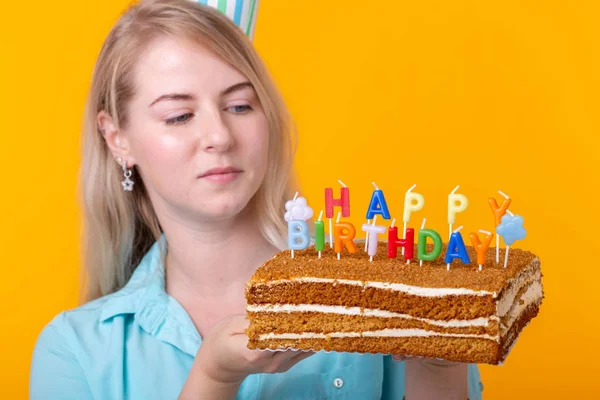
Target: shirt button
(338,383)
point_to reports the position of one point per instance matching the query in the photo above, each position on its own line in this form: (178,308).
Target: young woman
(187,164)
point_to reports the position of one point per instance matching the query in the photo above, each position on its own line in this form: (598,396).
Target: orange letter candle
(481,247)
(343,233)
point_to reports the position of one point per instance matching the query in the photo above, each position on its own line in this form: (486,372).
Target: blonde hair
(119,227)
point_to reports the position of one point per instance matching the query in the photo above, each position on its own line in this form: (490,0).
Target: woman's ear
(115,140)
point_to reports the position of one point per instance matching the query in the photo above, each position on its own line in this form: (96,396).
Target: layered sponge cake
(391,307)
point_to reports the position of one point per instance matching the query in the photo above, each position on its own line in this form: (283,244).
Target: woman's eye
(240,109)
(182,119)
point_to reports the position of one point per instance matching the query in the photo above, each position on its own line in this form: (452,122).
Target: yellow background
(488,95)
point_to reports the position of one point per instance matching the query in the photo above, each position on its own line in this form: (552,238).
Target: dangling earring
(127,183)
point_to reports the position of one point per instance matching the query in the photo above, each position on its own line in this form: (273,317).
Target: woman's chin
(225,210)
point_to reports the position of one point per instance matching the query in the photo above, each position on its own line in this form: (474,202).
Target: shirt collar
(154,309)
(148,275)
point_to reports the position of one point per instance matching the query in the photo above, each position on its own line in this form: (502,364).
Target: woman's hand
(224,361)
(430,378)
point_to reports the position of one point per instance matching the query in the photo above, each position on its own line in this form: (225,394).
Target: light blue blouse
(139,343)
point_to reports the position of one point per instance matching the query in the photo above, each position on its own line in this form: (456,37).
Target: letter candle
(296,214)
(373,240)
(407,243)
(410,206)
(330,203)
(319,234)
(419,241)
(456,243)
(481,247)
(377,206)
(456,203)
(344,233)
(367,234)
(298,235)
(499,212)
(422,246)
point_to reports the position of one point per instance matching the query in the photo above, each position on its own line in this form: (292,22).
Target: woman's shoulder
(91,317)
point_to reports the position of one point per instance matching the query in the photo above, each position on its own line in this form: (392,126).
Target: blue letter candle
(456,249)
(298,235)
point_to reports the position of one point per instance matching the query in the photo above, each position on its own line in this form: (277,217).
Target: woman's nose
(216,135)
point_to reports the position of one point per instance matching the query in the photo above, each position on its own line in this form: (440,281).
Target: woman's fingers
(400,357)
(295,359)
(238,324)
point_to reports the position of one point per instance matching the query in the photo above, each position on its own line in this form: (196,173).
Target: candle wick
(376,188)
(455,189)
(411,188)
(342,183)
(457,229)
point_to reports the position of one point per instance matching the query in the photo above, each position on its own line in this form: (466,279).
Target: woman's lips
(222,178)
(221,175)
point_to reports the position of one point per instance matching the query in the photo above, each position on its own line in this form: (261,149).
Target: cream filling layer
(532,295)
(506,301)
(379,333)
(366,312)
(398,287)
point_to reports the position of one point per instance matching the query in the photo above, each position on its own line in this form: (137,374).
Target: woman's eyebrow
(189,96)
(236,87)
(173,96)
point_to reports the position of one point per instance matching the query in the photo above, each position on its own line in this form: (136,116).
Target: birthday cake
(416,303)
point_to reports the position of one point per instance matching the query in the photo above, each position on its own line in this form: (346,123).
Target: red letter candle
(407,243)
(343,202)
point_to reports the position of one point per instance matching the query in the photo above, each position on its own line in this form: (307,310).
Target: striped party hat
(241,12)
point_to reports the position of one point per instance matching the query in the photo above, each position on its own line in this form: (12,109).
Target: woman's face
(196,132)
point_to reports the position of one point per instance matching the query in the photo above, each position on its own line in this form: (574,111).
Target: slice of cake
(388,306)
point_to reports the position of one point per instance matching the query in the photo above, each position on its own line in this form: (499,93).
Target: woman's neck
(212,259)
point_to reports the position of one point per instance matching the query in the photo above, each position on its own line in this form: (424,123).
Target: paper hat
(241,12)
